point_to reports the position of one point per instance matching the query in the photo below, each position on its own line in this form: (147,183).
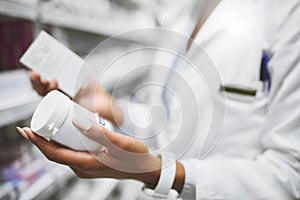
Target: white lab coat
(258,154)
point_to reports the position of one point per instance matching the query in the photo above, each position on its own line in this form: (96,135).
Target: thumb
(99,133)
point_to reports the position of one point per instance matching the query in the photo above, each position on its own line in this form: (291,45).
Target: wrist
(150,179)
(179,178)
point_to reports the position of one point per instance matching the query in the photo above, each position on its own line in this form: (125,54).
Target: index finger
(58,153)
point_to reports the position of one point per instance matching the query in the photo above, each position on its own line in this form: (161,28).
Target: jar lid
(49,114)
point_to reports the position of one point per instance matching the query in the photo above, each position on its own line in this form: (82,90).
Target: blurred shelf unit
(102,17)
(17,98)
(45,186)
(25,9)
(48,184)
(7,191)
(25,174)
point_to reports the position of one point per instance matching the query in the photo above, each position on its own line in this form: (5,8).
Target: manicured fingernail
(82,123)
(22,132)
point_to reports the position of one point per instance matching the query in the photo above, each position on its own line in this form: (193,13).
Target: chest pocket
(249,92)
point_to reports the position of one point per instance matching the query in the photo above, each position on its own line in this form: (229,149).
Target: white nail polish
(22,132)
(82,123)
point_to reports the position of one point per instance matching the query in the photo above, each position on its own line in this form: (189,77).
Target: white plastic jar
(52,120)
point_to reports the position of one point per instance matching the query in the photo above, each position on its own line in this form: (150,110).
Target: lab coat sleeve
(275,173)
(167,12)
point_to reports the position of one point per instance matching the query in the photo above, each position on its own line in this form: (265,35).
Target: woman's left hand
(123,157)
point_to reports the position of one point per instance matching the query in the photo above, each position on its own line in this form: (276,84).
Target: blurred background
(80,25)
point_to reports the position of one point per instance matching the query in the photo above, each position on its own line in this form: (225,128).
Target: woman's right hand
(96,99)
(92,96)
(42,86)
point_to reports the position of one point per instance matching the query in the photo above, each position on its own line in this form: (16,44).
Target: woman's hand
(123,158)
(42,86)
(92,96)
(118,160)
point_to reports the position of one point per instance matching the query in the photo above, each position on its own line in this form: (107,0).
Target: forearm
(179,178)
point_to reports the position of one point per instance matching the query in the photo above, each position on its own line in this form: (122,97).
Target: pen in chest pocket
(265,78)
(264,72)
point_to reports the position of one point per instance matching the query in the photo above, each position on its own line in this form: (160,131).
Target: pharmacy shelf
(48,184)
(108,25)
(96,16)
(25,9)
(17,98)
(93,189)
(17,113)
(93,16)
(43,188)
(7,191)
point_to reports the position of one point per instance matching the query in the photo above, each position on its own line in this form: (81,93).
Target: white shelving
(94,16)
(17,98)
(17,113)
(7,191)
(26,9)
(42,188)
(48,184)
(94,189)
